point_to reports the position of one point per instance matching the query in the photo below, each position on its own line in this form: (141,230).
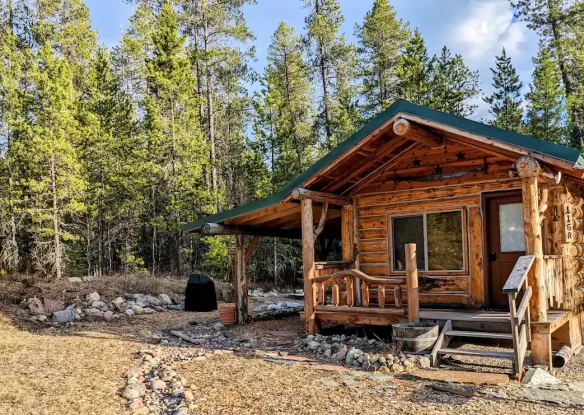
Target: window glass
(407,229)
(511,227)
(444,236)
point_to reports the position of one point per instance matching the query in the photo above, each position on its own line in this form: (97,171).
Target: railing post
(308,263)
(412,284)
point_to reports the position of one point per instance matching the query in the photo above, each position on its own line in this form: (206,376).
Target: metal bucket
(415,337)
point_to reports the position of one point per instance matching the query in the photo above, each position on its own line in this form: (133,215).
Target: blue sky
(476,29)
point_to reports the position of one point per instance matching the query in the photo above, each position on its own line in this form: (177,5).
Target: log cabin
(440,219)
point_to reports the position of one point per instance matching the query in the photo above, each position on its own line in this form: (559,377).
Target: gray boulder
(75,279)
(64,316)
(100,305)
(129,312)
(93,314)
(164,299)
(134,391)
(351,355)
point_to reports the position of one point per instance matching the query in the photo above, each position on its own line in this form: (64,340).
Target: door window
(511,227)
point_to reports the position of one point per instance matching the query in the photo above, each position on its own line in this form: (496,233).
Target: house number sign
(568,225)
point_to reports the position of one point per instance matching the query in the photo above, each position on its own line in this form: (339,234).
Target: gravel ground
(79,371)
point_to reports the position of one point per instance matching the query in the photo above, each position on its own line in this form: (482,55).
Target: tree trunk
(56,229)
(210,116)
(324,77)
(577,138)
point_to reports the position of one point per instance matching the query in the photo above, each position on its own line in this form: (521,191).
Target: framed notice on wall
(568,225)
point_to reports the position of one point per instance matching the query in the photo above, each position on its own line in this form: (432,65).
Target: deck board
(486,316)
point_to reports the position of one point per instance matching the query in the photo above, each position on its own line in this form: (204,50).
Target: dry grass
(235,385)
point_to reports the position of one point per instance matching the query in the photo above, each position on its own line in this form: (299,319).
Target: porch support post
(241,279)
(529,169)
(412,284)
(308,263)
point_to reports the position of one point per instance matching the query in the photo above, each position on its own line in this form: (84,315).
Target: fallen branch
(185,337)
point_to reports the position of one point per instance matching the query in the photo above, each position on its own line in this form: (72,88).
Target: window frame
(464,230)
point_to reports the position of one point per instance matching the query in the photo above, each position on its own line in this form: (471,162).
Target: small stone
(93,297)
(157,385)
(100,305)
(42,318)
(327,353)
(385,370)
(536,377)
(218,326)
(129,312)
(342,352)
(183,410)
(313,345)
(108,316)
(189,396)
(424,362)
(148,310)
(133,391)
(382,360)
(153,300)
(164,299)
(136,403)
(372,341)
(365,365)
(93,314)
(397,368)
(407,362)
(77,317)
(361,360)
(137,309)
(75,279)
(374,359)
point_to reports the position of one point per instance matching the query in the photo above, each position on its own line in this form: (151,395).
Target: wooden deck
(477,318)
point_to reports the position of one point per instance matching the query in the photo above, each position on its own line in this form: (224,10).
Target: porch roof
(568,160)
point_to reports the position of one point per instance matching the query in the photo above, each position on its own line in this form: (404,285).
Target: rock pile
(96,308)
(154,387)
(348,350)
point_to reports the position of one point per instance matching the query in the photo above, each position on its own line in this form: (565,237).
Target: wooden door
(506,243)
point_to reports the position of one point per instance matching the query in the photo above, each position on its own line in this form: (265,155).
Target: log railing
(519,314)
(553,268)
(343,286)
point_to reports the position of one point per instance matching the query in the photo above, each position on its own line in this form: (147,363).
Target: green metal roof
(400,106)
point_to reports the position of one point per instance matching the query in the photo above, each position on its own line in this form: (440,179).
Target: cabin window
(438,237)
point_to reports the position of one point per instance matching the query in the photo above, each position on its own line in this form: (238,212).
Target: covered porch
(439,219)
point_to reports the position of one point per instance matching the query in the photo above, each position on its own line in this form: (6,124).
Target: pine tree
(176,154)
(56,185)
(218,35)
(505,101)
(334,66)
(560,24)
(546,101)
(382,37)
(451,84)
(412,71)
(288,80)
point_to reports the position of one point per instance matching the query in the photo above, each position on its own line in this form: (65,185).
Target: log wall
(374,212)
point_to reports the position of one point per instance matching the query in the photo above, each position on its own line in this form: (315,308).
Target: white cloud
(488,27)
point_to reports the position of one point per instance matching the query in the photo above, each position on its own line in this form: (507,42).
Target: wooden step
(485,353)
(479,334)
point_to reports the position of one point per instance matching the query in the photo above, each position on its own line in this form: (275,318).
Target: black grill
(200,294)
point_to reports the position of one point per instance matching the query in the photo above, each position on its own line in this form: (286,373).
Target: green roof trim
(400,106)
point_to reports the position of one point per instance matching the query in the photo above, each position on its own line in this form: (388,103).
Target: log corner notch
(529,169)
(320,197)
(404,128)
